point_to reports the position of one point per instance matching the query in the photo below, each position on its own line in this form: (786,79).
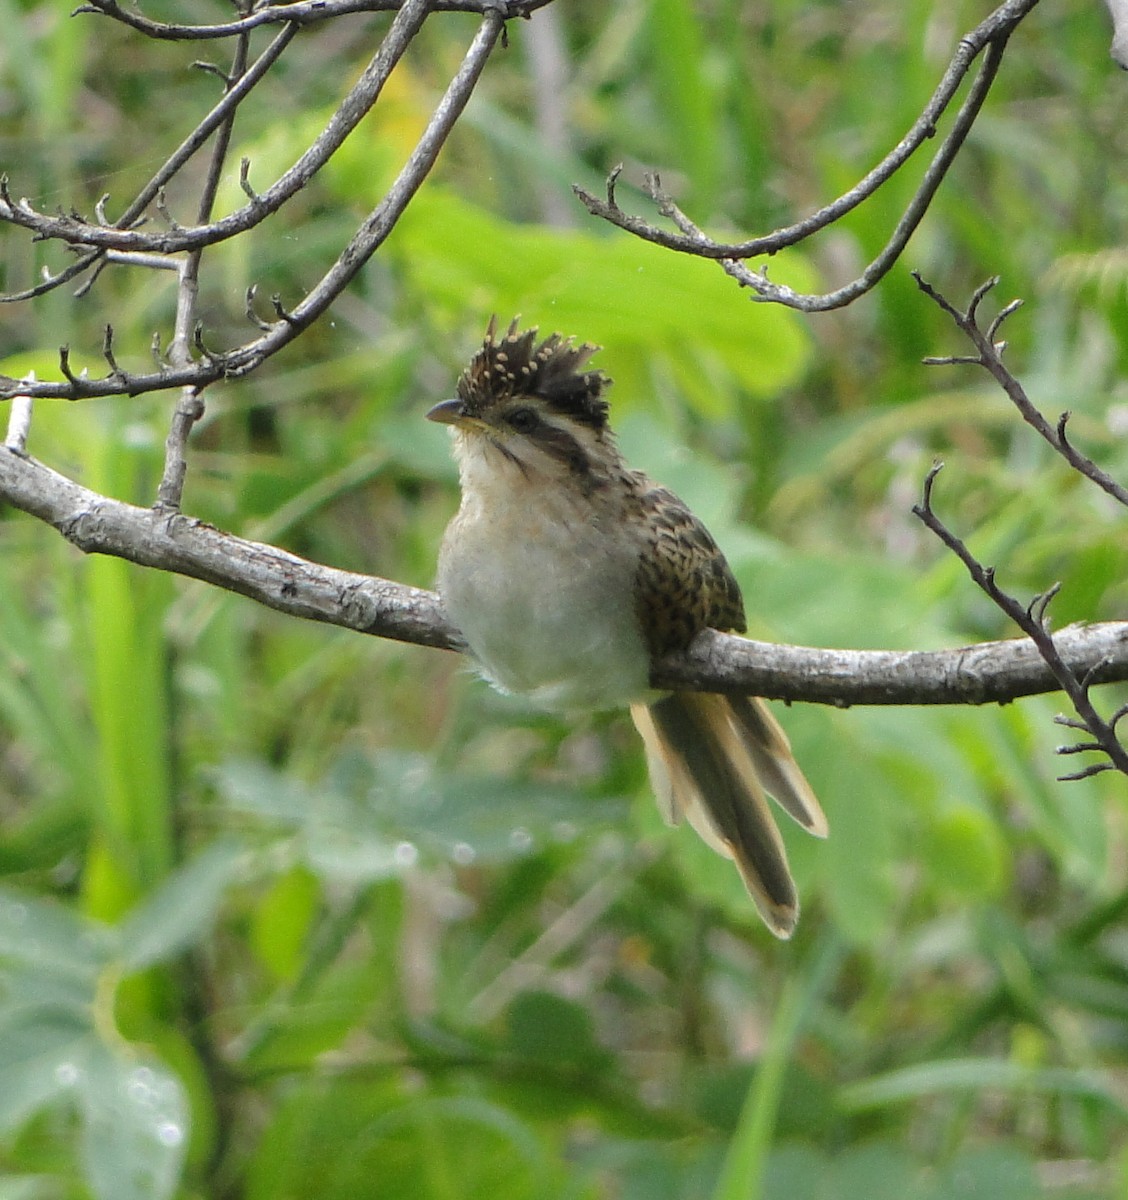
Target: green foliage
(291,914)
(59,1041)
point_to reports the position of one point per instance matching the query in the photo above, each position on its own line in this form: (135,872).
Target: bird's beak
(447,412)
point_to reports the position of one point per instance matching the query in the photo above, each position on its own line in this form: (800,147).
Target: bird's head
(531,406)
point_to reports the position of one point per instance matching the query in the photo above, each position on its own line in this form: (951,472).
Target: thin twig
(989,355)
(133,216)
(305,12)
(190,404)
(1031,619)
(765,290)
(19,421)
(368,238)
(348,114)
(991,34)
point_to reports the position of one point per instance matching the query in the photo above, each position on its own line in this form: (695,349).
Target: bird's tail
(714,760)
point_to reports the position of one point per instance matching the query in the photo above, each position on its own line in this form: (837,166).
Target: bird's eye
(522,420)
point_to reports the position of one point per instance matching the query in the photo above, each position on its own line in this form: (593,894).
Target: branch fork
(1031,618)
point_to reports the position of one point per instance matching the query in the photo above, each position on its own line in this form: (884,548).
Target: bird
(567,573)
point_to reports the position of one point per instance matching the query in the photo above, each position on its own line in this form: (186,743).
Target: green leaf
(445,1148)
(544,1027)
(181,910)
(282,920)
(977,1074)
(792,1171)
(857,859)
(43,936)
(373,818)
(639,301)
(964,849)
(135,1126)
(878,1171)
(251,787)
(42,1054)
(27,1187)
(678,48)
(1001,1172)
(743,1173)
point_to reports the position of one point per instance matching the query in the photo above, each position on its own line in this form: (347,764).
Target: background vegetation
(291,912)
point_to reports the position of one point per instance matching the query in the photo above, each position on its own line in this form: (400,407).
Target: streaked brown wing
(683,584)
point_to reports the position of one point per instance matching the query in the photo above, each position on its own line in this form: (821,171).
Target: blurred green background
(289,912)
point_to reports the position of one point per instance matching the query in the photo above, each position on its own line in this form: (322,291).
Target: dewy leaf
(181,910)
(373,817)
(252,787)
(41,1055)
(135,1127)
(49,938)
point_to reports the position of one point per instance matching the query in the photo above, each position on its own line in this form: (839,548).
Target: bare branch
(190,404)
(993,672)
(304,12)
(108,354)
(134,214)
(1086,772)
(189,409)
(347,115)
(989,356)
(1031,619)
(249,310)
(990,35)
(19,423)
(356,253)
(906,226)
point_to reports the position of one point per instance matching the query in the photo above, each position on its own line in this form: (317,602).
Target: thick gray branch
(990,672)
(186,546)
(1119,49)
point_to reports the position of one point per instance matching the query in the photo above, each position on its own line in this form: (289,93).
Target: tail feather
(767,744)
(713,762)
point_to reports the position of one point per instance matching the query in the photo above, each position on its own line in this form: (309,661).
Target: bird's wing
(683,584)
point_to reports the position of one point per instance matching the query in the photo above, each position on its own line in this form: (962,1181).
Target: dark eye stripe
(561,445)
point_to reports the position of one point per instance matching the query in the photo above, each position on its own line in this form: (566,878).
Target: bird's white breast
(542,589)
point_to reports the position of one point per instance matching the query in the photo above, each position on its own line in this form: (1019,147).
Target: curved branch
(186,546)
(76,230)
(368,238)
(765,290)
(306,12)
(992,34)
(993,672)
(221,114)
(989,355)
(1031,619)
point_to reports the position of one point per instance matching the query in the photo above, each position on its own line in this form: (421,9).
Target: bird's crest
(515,365)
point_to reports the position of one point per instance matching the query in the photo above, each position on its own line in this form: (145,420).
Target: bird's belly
(548,614)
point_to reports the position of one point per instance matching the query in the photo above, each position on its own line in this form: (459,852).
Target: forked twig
(989,355)
(989,39)
(195,375)
(1032,620)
